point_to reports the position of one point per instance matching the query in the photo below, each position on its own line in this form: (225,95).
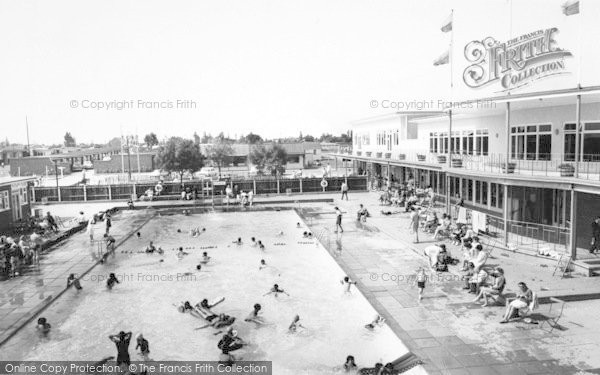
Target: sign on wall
(515,63)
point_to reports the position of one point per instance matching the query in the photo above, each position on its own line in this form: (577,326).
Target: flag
(443,59)
(447,26)
(570,7)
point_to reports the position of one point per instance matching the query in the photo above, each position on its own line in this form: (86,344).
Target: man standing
(338,220)
(414,223)
(122,342)
(108,221)
(595,244)
(344,190)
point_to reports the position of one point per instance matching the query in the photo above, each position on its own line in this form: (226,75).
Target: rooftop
(11,180)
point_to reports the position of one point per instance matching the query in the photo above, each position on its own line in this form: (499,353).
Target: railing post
(573,219)
(278,190)
(109,193)
(254,186)
(505,213)
(135,190)
(33,193)
(84,193)
(59,194)
(300,185)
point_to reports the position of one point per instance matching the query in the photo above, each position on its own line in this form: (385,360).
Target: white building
(522,79)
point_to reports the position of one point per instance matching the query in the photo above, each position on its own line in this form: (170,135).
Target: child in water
(348,283)
(378,321)
(112,280)
(253,242)
(350,364)
(43,326)
(142,343)
(72,280)
(181,253)
(295,324)
(254,317)
(276,290)
(205,258)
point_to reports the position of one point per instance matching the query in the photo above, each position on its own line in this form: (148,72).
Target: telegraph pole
(128,159)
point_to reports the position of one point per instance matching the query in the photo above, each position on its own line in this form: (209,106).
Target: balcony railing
(543,165)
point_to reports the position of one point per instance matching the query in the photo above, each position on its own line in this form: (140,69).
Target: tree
(309,138)
(269,160)
(180,155)
(196,138)
(151,140)
(251,138)
(221,154)
(206,138)
(115,142)
(69,140)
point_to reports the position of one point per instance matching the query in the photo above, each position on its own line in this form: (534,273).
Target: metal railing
(262,186)
(558,165)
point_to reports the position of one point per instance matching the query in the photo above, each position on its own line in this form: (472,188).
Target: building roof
(75,154)
(243,149)
(12,180)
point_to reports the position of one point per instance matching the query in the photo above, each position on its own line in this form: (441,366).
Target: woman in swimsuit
(276,290)
(295,324)
(253,316)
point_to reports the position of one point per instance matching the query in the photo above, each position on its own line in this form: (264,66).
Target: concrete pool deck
(452,335)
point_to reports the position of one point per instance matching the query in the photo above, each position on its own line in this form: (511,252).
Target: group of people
(244,198)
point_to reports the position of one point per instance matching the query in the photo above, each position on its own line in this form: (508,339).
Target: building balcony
(555,166)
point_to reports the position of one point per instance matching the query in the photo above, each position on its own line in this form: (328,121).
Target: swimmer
(377,322)
(305,234)
(298,225)
(160,250)
(309,235)
(276,290)
(181,253)
(280,233)
(43,326)
(72,280)
(222,320)
(178,230)
(143,344)
(150,248)
(139,235)
(263,264)
(261,246)
(346,281)
(350,364)
(254,317)
(295,324)
(112,280)
(238,242)
(121,340)
(205,258)
(253,242)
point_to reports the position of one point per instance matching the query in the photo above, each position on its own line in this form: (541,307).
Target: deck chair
(554,313)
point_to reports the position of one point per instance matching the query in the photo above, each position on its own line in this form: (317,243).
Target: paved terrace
(452,335)
(445,329)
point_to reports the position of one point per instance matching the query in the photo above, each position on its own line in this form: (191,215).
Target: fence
(258,186)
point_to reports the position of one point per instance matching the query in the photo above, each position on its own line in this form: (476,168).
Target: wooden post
(300,184)
(278,189)
(85,193)
(109,193)
(254,186)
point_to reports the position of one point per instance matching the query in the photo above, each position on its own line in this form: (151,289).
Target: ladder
(562,265)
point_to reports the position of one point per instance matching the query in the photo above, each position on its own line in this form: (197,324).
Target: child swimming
(112,280)
(181,253)
(295,324)
(377,322)
(238,242)
(253,242)
(254,317)
(205,258)
(43,326)
(276,290)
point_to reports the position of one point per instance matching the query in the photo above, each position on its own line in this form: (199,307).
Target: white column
(84,193)
(577,125)
(573,219)
(507,124)
(505,213)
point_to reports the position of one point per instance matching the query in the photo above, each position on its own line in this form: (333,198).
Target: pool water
(144,300)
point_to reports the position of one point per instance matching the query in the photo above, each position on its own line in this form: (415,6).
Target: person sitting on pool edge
(276,290)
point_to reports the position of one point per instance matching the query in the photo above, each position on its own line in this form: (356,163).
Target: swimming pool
(144,300)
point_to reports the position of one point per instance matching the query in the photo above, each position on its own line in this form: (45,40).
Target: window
(493,194)
(531,142)
(591,141)
(478,192)
(484,193)
(23,196)
(4,201)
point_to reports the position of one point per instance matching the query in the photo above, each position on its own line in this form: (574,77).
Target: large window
(467,142)
(590,147)
(531,142)
(4,201)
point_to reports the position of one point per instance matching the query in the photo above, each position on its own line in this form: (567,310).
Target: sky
(271,67)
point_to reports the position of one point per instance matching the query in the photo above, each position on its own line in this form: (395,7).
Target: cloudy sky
(269,66)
